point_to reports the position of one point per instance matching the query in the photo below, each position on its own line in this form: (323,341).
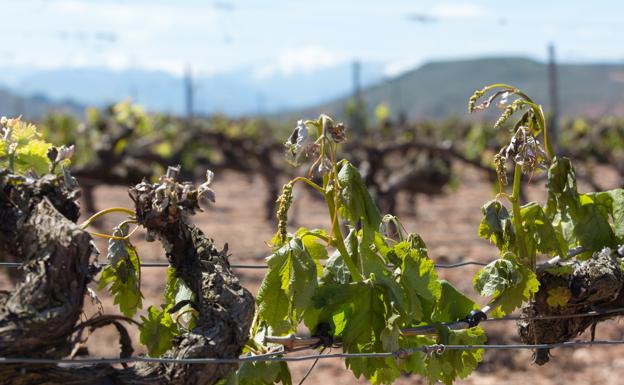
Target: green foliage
(508,282)
(496,225)
(260,373)
(286,292)
(122,275)
(368,290)
(23,150)
(581,219)
(568,220)
(541,236)
(357,202)
(454,364)
(157,330)
(160,326)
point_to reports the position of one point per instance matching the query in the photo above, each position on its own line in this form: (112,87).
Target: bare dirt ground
(448,224)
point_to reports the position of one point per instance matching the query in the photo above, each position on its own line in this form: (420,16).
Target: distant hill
(237,92)
(441,89)
(34,107)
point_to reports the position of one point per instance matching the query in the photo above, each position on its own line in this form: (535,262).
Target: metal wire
(256,266)
(429,349)
(558,316)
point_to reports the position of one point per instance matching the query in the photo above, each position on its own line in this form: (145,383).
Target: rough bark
(595,284)
(39,318)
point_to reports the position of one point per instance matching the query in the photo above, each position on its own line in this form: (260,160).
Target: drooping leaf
(541,236)
(508,282)
(496,225)
(578,218)
(611,203)
(356,200)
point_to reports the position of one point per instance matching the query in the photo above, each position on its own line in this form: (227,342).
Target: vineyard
(431,251)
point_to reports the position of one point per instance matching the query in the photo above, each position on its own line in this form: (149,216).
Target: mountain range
(431,91)
(441,89)
(240,92)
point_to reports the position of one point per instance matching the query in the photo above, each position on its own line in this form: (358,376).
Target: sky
(287,37)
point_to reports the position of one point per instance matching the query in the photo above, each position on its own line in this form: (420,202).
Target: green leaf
(362,315)
(177,291)
(560,270)
(261,373)
(496,277)
(157,330)
(356,200)
(579,218)
(541,236)
(123,275)
(286,291)
(311,242)
(33,156)
(508,282)
(419,281)
(558,296)
(454,364)
(496,225)
(453,305)
(22,133)
(611,203)
(374,266)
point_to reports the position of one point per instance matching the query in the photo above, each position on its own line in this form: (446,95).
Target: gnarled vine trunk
(38,319)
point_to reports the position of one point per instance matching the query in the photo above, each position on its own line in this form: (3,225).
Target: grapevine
(362,283)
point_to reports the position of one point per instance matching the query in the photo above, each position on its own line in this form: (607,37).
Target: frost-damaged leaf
(508,282)
(611,203)
(122,275)
(286,291)
(541,235)
(357,202)
(496,225)
(157,330)
(579,218)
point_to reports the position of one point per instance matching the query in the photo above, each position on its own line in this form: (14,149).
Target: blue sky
(288,37)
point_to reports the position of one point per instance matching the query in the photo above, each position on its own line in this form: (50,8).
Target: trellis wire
(279,356)
(257,266)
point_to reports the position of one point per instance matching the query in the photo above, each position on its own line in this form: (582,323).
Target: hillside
(441,89)
(237,92)
(34,107)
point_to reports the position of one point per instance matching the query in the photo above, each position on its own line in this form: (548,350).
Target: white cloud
(458,11)
(303,60)
(396,68)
